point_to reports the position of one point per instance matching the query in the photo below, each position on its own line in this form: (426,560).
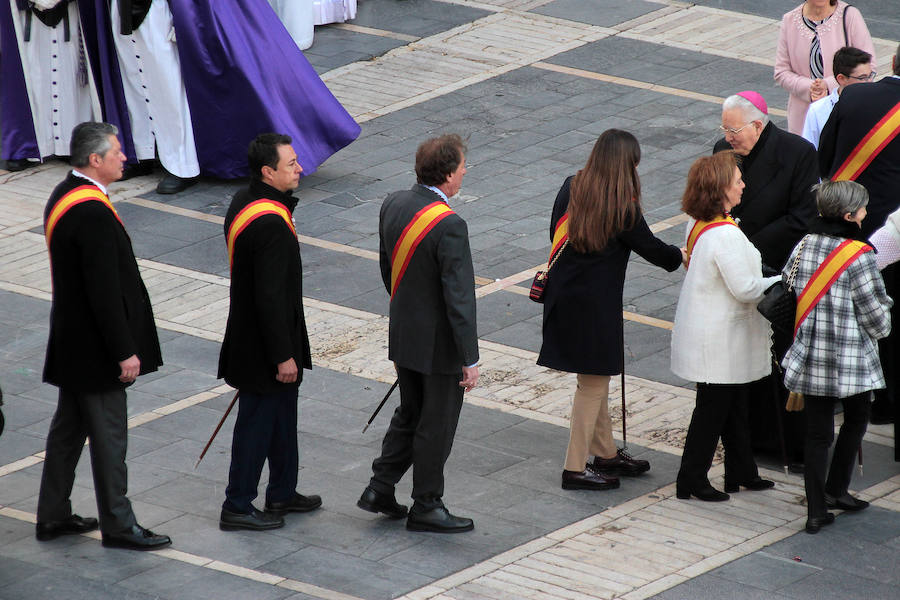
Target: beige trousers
(590,432)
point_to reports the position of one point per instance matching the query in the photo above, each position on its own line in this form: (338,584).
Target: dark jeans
(420,435)
(101,417)
(266,428)
(819,435)
(721,410)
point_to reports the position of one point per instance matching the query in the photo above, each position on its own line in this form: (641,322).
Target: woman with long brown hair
(600,209)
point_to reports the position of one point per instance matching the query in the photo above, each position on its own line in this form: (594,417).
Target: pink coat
(792,57)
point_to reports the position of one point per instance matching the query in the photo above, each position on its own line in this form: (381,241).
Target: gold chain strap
(793,274)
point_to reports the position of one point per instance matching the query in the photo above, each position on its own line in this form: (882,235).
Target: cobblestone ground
(531,83)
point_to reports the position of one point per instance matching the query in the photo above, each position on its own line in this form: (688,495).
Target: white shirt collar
(102,187)
(438,192)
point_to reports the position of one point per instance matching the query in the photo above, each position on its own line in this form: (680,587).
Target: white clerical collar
(438,192)
(102,187)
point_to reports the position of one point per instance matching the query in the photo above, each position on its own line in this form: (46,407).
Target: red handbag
(540,278)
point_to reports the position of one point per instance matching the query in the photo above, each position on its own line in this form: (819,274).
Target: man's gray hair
(750,112)
(835,199)
(90,138)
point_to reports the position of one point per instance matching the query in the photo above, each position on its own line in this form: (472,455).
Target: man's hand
(470,378)
(287,371)
(130,368)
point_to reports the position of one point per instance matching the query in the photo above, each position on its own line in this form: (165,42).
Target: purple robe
(19,140)
(244,75)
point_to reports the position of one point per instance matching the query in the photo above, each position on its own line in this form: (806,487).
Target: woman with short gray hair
(842,311)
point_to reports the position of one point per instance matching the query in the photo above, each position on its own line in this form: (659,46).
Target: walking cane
(624,428)
(383,400)
(218,427)
(776,389)
(859,460)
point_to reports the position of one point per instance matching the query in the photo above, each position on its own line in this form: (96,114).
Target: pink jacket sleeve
(793,78)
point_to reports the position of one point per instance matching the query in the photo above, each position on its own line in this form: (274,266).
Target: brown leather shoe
(588,480)
(621,464)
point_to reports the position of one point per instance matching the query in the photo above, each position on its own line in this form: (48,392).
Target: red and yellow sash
(868,148)
(560,236)
(831,268)
(250,213)
(701,227)
(423,222)
(83,193)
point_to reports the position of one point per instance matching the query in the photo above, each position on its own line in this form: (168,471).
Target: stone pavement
(531,83)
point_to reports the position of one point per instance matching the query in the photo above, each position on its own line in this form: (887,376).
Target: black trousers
(101,417)
(266,428)
(721,410)
(885,403)
(819,435)
(420,435)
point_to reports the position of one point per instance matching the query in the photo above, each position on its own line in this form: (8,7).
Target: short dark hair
(89,138)
(436,158)
(263,152)
(709,177)
(897,61)
(848,58)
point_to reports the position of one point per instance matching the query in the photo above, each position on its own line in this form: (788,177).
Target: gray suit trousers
(101,417)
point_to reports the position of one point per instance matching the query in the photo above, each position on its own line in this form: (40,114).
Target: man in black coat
(859,110)
(779,170)
(426,266)
(102,336)
(266,345)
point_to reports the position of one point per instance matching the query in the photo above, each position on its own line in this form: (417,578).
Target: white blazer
(719,336)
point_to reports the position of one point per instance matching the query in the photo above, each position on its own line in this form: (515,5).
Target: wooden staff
(218,427)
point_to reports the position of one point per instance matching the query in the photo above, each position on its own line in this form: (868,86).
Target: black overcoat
(583,297)
(854,116)
(778,200)
(432,314)
(101,311)
(266,325)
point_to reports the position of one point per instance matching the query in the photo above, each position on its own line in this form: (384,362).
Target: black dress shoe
(845,502)
(621,464)
(707,494)
(589,479)
(375,502)
(438,520)
(19,164)
(72,526)
(172,184)
(137,538)
(814,524)
(254,520)
(297,503)
(755,485)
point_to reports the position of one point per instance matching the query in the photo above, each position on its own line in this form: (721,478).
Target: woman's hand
(817,89)
(684,257)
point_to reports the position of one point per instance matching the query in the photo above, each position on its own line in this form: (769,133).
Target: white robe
(58,100)
(154,91)
(297,16)
(333,11)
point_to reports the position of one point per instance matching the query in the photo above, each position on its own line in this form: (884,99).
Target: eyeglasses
(868,77)
(727,130)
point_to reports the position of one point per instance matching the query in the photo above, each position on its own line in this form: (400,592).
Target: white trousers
(58,100)
(154,91)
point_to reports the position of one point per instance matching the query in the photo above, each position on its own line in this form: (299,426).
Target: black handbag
(779,305)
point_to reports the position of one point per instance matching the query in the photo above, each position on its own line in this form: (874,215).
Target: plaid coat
(835,352)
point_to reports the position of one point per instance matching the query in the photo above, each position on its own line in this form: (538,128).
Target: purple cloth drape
(244,76)
(95,21)
(19,140)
